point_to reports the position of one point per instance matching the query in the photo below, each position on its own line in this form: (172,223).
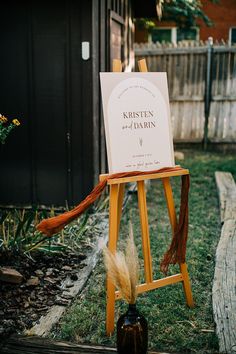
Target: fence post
(207,100)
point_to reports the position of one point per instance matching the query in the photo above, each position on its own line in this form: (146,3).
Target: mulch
(21,305)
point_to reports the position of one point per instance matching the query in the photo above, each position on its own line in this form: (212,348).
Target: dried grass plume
(123,269)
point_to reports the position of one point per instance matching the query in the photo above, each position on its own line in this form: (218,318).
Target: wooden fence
(202,88)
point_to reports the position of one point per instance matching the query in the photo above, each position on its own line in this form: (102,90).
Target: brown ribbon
(177,250)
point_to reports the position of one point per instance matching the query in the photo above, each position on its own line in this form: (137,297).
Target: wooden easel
(115,210)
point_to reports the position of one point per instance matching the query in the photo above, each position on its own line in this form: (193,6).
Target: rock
(49,272)
(10,275)
(40,298)
(34,316)
(49,280)
(67,296)
(179,155)
(74,277)
(82,256)
(8,323)
(69,284)
(33,281)
(41,309)
(61,302)
(11,310)
(39,273)
(66,267)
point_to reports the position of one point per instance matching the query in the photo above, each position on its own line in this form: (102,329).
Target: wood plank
(223,97)
(116,65)
(162,51)
(227,194)
(221,141)
(112,243)
(224,284)
(182,98)
(142,65)
(141,178)
(37,345)
(170,202)
(149,176)
(142,203)
(95,91)
(159,283)
(228,75)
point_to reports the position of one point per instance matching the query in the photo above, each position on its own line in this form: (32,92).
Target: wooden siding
(186,67)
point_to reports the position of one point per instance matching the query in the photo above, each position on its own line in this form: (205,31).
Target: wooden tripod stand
(116,200)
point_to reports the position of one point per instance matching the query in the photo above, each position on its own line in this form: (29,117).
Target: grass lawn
(172,325)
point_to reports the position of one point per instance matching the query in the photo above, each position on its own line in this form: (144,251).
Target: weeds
(18,230)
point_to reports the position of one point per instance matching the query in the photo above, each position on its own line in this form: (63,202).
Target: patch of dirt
(21,305)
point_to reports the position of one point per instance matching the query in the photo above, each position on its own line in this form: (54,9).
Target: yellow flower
(3,119)
(16,122)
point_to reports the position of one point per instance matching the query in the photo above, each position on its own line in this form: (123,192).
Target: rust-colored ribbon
(177,250)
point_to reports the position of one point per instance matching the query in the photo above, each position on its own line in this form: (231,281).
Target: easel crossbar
(155,284)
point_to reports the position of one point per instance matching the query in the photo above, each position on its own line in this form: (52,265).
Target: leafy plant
(6,127)
(145,23)
(18,230)
(184,13)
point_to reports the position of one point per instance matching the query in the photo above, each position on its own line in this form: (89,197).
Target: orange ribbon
(177,250)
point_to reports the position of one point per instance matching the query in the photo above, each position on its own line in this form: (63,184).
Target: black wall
(46,84)
(57,153)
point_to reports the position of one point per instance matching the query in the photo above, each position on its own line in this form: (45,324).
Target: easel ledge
(144,177)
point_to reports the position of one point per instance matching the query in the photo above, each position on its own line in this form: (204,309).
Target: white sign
(137,121)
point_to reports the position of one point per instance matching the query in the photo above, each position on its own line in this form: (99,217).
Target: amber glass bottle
(132,332)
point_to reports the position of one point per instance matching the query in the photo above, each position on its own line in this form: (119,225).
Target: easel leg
(186,285)
(173,221)
(145,231)
(113,235)
(170,202)
(120,204)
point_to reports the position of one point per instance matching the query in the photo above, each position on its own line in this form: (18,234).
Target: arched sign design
(137,123)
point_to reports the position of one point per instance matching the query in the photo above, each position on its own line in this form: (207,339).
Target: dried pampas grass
(123,269)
